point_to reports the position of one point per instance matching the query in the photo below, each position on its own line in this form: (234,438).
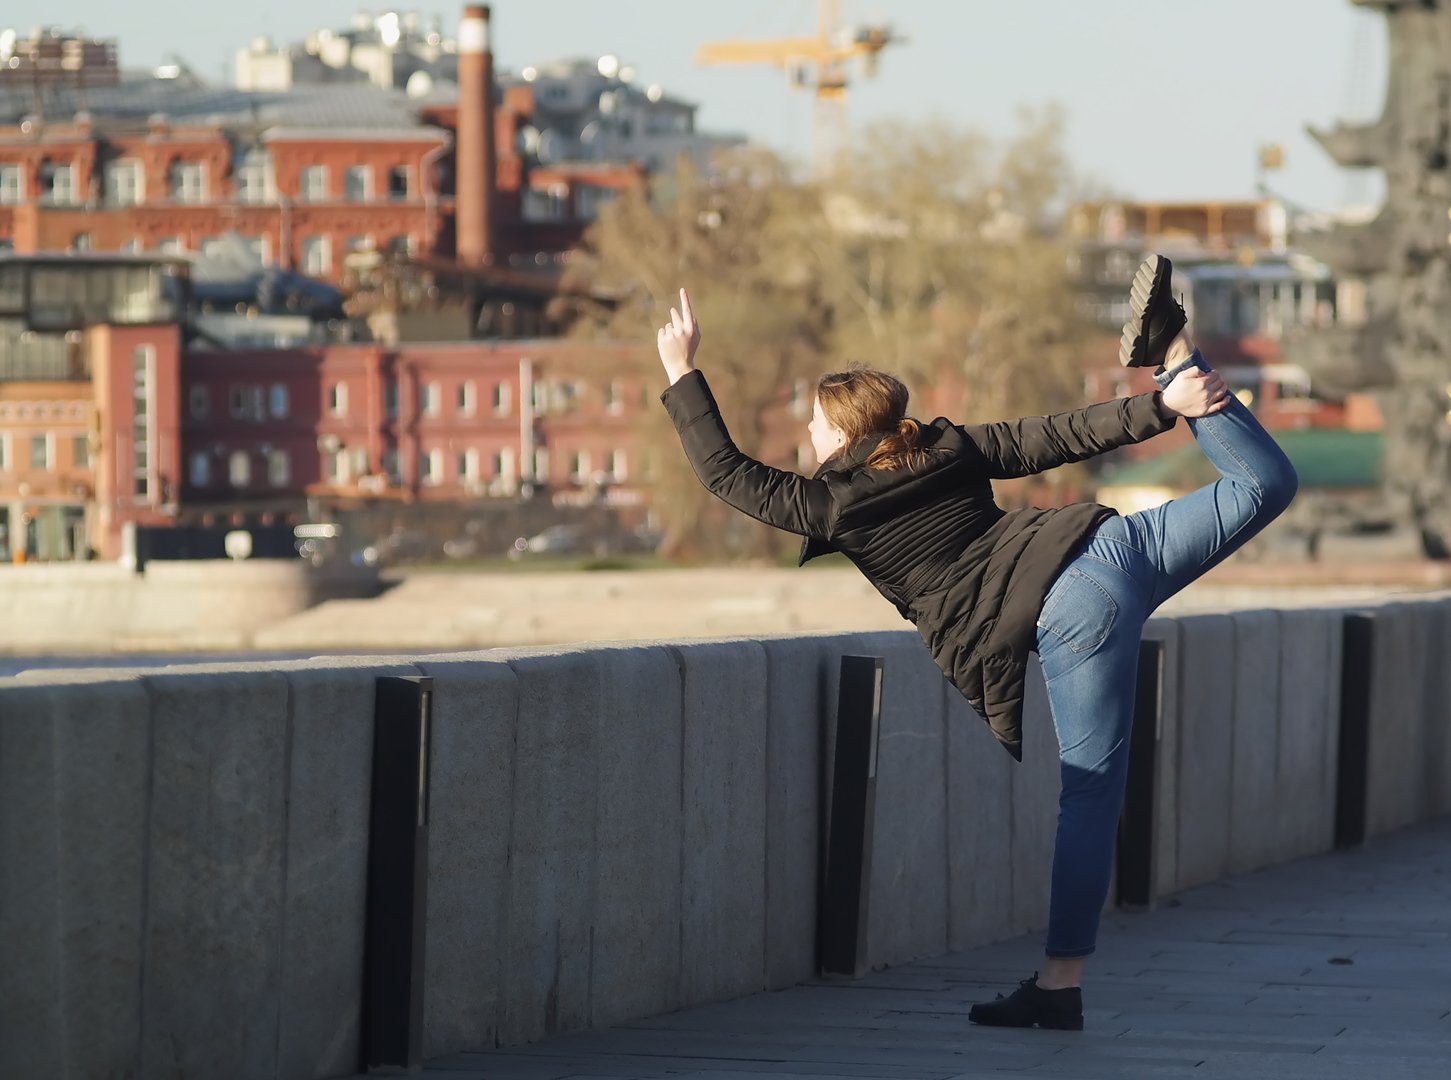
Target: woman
(911,505)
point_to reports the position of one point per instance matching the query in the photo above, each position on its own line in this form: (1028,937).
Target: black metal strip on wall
(1352,770)
(397,875)
(1136,841)
(842,919)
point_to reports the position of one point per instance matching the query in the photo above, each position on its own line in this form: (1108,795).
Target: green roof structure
(1324,458)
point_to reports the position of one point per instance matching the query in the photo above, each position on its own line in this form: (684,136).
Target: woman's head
(864,401)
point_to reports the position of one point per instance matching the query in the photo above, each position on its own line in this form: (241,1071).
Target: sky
(1164,101)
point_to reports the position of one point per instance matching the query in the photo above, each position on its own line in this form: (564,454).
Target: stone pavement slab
(1330,968)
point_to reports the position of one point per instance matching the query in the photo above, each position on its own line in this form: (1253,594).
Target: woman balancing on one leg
(910,504)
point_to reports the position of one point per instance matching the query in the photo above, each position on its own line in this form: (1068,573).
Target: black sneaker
(1155,317)
(1031,1006)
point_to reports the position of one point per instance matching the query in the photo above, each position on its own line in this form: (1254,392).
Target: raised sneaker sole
(1149,284)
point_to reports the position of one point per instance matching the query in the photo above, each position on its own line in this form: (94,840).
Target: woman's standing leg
(1088,640)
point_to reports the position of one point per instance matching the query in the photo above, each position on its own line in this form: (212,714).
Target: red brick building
(306,176)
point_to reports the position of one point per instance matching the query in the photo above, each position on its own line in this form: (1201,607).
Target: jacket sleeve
(775,496)
(1035,443)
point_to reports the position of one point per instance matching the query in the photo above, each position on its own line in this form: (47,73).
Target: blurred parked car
(578,540)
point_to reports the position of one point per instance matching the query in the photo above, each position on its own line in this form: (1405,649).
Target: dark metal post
(843,914)
(1136,824)
(397,875)
(1352,777)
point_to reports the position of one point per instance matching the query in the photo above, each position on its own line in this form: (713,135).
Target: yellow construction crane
(828,54)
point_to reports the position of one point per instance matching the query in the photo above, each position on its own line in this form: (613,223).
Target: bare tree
(931,251)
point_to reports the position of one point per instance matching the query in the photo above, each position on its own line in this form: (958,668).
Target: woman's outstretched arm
(1037,443)
(775,496)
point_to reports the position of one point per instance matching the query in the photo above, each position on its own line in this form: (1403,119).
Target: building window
(201,470)
(81,451)
(239,468)
(12,185)
(579,466)
(403,245)
(504,477)
(277,401)
(390,399)
(358,183)
(391,467)
(132,246)
(337,399)
(58,184)
(254,178)
(432,399)
(466,399)
(172,245)
(336,468)
(591,198)
(618,465)
(279,468)
(189,182)
(502,397)
(317,255)
(123,183)
(801,399)
(551,204)
(4,452)
(430,467)
(81,242)
(143,361)
(261,249)
(541,465)
(238,402)
(614,398)
(398,182)
(314,183)
(40,451)
(461,465)
(358,245)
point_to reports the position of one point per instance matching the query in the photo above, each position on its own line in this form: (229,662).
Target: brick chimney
(474,142)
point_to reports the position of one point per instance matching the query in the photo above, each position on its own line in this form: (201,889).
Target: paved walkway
(1332,968)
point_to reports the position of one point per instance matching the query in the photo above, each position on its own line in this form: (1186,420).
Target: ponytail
(899,449)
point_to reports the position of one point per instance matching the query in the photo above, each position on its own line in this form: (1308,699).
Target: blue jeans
(1088,640)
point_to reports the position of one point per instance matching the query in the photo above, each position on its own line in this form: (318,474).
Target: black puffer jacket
(971,576)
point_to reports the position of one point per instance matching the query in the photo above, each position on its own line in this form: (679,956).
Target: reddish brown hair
(864,401)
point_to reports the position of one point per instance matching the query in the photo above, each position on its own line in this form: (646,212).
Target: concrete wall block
(907,914)
(1395,724)
(1309,731)
(980,777)
(471,813)
(74,766)
(723,801)
(1434,656)
(1166,757)
(1204,768)
(797,673)
(549,910)
(1254,796)
(328,820)
(1438,756)
(1036,787)
(217,843)
(635,965)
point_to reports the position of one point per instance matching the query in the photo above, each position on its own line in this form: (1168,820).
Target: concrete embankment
(616,831)
(172,606)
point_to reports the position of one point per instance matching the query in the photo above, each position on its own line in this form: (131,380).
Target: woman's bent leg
(1187,536)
